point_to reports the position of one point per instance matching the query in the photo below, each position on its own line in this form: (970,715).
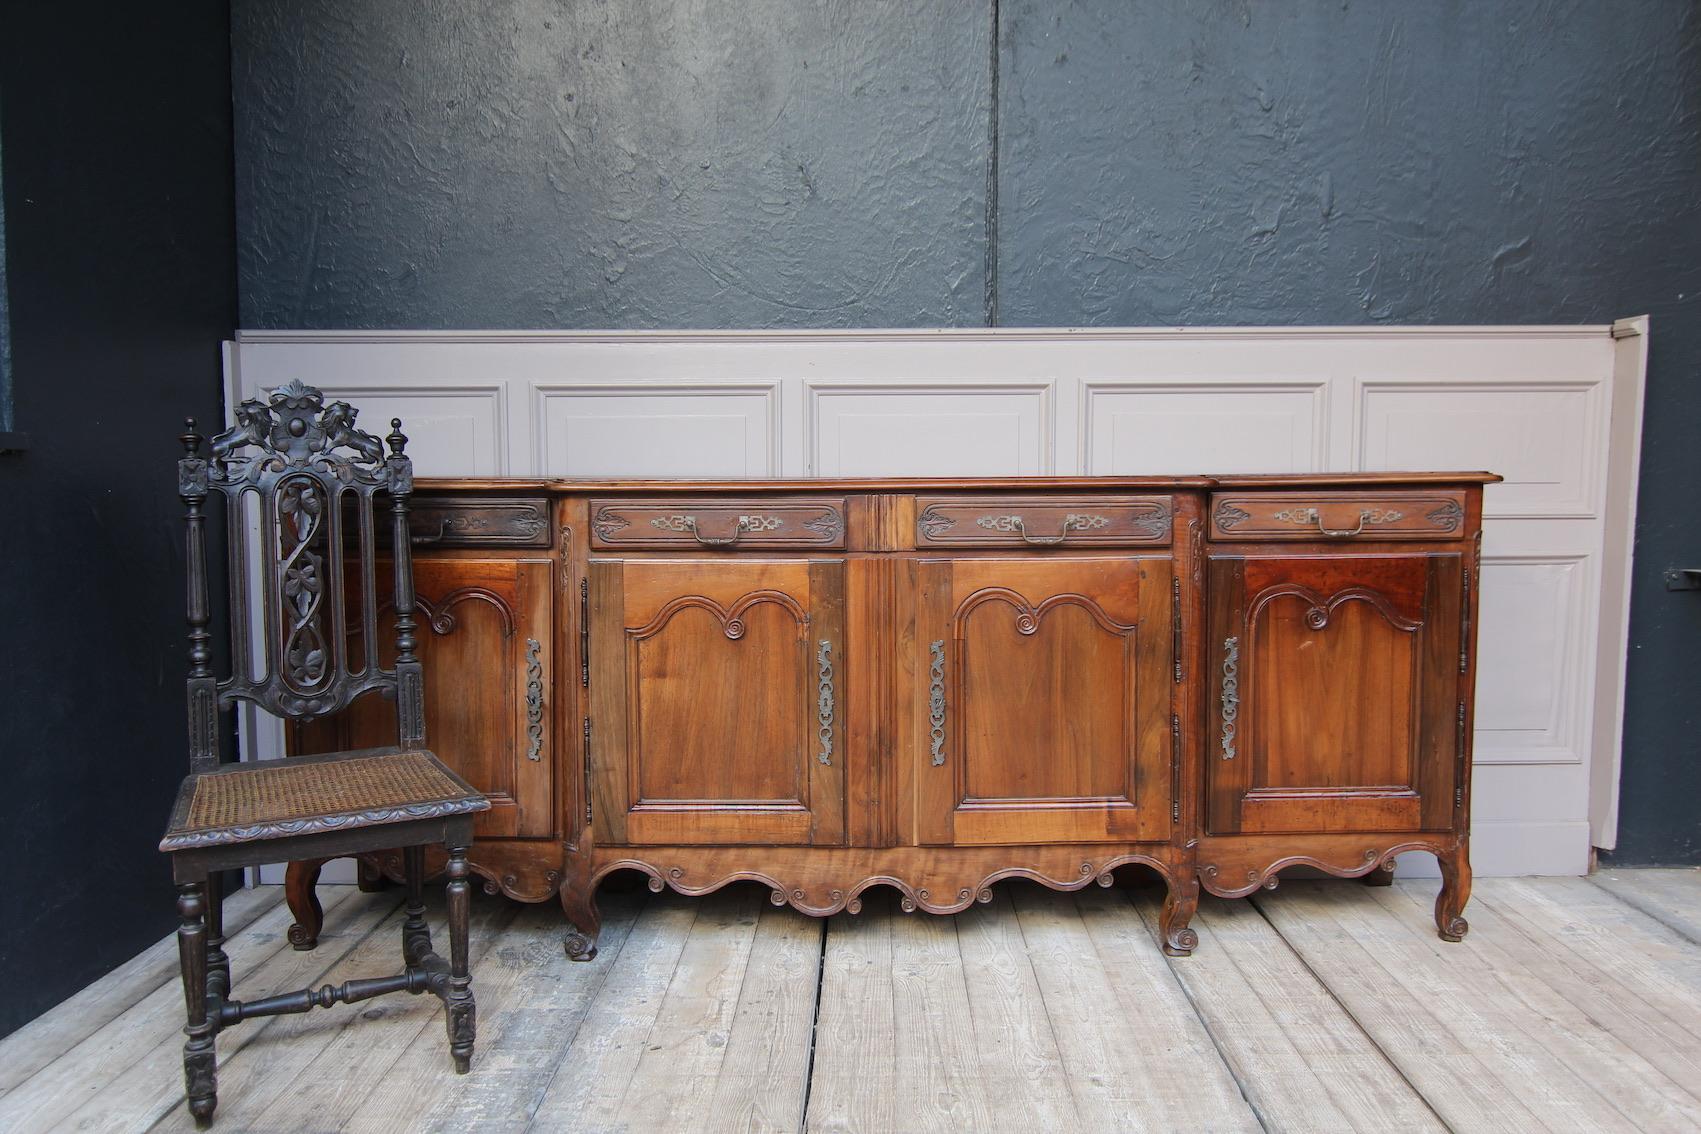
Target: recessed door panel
(714,700)
(1042,697)
(1334,686)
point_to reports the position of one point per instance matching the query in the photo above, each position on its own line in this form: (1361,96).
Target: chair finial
(190,437)
(397,438)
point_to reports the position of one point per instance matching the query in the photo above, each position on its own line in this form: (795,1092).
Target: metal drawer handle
(1073,522)
(688,523)
(1315,516)
(936,702)
(442,533)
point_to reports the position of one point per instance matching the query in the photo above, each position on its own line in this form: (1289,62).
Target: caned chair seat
(250,803)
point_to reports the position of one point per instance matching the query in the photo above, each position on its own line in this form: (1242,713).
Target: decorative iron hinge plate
(1174,768)
(584,633)
(1459,761)
(1465,624)
(587,781)
(1175,624)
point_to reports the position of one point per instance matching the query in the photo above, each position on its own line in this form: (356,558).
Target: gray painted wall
(775,164)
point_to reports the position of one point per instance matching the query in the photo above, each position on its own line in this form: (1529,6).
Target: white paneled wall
(1532,403)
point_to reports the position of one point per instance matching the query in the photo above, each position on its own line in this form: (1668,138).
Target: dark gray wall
(121,269)
(773,164)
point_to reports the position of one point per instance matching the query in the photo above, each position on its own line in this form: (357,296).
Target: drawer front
(724,524)
(1042,521)
(479,521)
(1337,515)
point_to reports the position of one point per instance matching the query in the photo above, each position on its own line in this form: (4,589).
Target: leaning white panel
(1533,704)
(1546,438)
(1136,429)
(657,430)
(928,429)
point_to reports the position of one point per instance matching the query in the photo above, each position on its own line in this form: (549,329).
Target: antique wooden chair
(295,476)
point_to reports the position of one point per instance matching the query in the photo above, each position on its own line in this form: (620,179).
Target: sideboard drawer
(1042,521)
(1337,515)
(479,521)
(723,524)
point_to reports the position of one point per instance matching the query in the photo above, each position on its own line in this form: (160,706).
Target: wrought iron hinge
(1174,768)
(1465,626)
(587,781)
(585,633)
(1459,761)
(1175,624)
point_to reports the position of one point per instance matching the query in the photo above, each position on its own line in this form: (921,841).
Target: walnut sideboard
(826,685)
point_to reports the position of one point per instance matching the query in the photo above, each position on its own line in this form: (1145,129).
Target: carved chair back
(294,476)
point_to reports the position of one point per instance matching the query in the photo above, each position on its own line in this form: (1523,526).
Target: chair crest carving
(296,429)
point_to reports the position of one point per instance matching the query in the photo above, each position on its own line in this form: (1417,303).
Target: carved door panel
(715,687)
(485,640)
(1041,693)
(1334,700)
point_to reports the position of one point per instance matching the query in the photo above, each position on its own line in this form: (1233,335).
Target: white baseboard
(1508,850)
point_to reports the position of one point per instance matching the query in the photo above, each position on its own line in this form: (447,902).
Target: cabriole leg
(416,934)
(1180,904)
(300,882)
(200,1059)
(579,903)
(1455,892)
(460,1012)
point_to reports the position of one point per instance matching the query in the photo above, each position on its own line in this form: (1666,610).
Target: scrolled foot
(1450,923)
(300,882)
(1180,904)
(1181,943)
(579,947)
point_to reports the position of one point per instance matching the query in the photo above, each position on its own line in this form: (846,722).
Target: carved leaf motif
(933,523)
(1228,516)
(606,523)
(829,525)
(1448,517)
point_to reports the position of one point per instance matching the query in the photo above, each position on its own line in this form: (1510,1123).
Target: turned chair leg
(460,1013)
(416,934)
(218,961)
(200,1059)
(301,880)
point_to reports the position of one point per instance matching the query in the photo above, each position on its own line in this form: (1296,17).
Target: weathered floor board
(1574,1004)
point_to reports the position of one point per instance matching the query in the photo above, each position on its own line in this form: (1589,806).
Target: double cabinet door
(1036,693)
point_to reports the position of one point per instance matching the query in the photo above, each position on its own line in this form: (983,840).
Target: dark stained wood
(317,490)
(694,756)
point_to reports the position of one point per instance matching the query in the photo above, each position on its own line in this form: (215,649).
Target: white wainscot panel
(1532,696)
(1544,438)
(451,431)
(645,430)
(959,429)
(1141,429)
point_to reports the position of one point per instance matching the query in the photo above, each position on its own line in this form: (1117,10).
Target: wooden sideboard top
(954,484)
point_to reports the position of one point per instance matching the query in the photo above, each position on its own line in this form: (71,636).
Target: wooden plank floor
(1573,1005)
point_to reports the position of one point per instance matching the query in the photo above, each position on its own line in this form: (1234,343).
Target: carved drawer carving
(1042,521)
(1337,515)
(719,524)
(479,521)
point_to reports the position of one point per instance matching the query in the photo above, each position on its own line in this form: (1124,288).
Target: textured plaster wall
(526,163)
(543,163)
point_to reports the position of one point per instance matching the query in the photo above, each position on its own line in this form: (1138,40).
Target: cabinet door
(715,686)
(486,644)
(1335,699)
(1042,700)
